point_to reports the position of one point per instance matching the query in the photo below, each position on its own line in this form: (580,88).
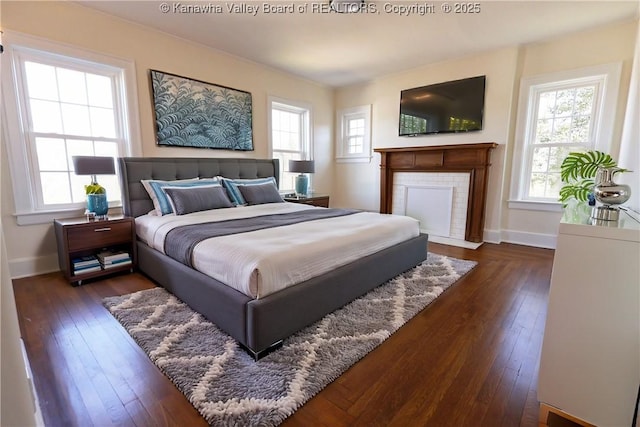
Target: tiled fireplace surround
(438,199)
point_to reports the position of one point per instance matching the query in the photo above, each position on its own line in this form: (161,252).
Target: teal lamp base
(98,205)
(302,185)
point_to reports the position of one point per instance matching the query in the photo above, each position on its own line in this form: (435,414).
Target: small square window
(353,139)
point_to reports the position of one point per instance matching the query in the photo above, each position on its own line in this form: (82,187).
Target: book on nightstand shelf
(84,270)
(108,256)
(116,263)
(112,259)
(85,264)
(85,261)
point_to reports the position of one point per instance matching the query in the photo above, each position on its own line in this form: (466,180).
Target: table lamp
(303,167)
(96,194)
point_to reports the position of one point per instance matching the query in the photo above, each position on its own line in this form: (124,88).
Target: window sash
(298,134)
(551,175)
(354,134)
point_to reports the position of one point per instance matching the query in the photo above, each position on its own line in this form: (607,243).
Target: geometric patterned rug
(228,387)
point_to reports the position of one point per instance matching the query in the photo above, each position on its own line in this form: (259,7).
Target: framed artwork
(193,113)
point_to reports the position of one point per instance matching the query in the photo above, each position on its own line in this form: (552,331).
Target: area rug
(229,388)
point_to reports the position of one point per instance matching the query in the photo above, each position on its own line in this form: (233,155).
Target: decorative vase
(97,203)
(608,192)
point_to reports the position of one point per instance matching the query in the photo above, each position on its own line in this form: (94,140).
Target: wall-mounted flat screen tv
(455,106)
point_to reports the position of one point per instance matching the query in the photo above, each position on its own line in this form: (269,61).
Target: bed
(258,324)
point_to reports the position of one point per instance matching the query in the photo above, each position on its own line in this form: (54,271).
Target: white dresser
(590,361)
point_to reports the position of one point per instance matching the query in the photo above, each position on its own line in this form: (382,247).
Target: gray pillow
(260,194)
(194,199)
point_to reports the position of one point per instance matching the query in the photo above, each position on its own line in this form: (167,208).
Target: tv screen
(455,106)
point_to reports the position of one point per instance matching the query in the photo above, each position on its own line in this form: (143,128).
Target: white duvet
(262,262)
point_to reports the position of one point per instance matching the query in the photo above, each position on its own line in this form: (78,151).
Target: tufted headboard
(136,200)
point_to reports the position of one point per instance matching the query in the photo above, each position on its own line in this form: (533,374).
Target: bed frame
(259,325)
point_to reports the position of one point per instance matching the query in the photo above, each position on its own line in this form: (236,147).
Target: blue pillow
(160,200)
(231,185)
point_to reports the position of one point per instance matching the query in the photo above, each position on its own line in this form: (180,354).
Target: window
(354,135)
(560,114)
(562,122)
(64,106)
(290,136)
(71,112)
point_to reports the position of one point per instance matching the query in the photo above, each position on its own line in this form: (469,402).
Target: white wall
(17,403)
(32,248)
(630,146)
(358,184)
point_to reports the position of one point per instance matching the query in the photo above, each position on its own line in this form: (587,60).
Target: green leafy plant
(94,188)
(577,172)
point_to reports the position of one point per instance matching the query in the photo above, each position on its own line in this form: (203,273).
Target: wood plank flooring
(469,359)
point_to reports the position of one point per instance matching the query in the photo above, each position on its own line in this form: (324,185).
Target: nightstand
(314,199)
(80,240)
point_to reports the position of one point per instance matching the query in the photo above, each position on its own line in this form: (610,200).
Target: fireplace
(437,199)
(471,159)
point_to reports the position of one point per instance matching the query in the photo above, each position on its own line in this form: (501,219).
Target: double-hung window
(65,106)
(353,139)
(290,133)
(563,113)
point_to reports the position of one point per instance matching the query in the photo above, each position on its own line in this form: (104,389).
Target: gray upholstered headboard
(136,200)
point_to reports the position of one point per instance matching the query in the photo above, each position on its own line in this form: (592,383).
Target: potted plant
(94,188)
(578,171)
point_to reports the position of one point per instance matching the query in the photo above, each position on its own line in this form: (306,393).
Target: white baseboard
(492,236)
(538,240)
(454,242)
(25,267)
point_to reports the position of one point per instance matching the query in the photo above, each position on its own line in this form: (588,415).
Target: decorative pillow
(186,200)
(234,192)
(160,201)
(260,193)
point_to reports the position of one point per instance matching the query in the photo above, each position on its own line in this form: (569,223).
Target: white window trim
(342,152)
(603,133)
(307,131)
(26,212)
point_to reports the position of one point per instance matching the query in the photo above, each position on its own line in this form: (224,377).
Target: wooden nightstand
(78,238)
(314,199)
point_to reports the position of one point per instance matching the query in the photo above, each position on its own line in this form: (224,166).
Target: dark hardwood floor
(469,359)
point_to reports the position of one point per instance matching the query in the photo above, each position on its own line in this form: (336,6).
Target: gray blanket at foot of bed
(180,242)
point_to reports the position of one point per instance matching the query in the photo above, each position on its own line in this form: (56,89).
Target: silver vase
(609,194)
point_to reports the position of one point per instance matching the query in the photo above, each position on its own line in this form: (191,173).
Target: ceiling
(307,39)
